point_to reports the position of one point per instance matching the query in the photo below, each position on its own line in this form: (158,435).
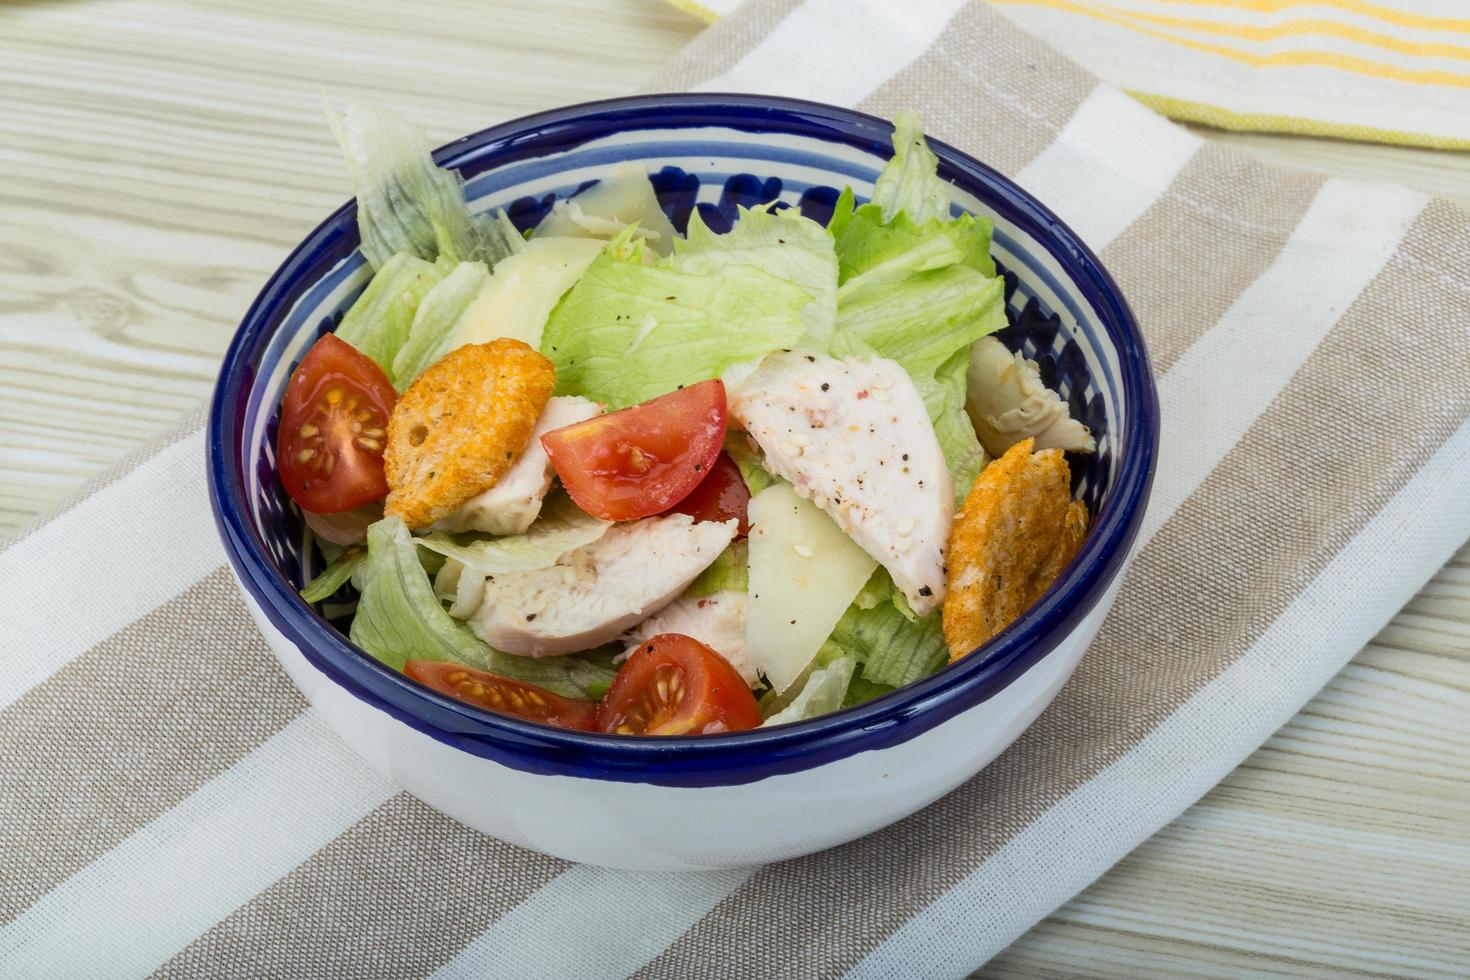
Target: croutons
(461,425)
(1018,529)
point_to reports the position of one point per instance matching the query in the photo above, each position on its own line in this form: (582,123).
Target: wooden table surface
(158,159)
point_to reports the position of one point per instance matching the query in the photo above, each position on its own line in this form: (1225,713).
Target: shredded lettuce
(842,211)
(404,202)
(864,242)
(821,694)
(729,572)
(400,618)
(944,398)
(433,324)
(880,589)
(499,237)
(862,690)
(751,463)
(378,322)
(334,576)
(627,332)
(892,650)
(910,182)
(782,243)
(917,318)
(561,528)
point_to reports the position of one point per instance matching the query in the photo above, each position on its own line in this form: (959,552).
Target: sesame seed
(802,550)
(882,383)
(906,526)
(881,394)
(788,449)
(800,439)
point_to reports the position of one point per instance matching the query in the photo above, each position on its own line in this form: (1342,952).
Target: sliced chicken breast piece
(853,436)
(514,503)
(595,593)
(716,620)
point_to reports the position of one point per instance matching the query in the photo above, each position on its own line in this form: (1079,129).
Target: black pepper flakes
(825,386)
(925,591)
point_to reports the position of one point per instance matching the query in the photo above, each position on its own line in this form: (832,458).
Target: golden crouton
(1017,531)
(1074,529)
(461,425)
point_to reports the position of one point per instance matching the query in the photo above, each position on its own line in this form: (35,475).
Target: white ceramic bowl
(715,801)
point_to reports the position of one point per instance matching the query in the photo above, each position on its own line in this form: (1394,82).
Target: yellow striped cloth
(1385,72)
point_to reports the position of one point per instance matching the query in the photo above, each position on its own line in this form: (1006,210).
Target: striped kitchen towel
(169,803)
(1391,72)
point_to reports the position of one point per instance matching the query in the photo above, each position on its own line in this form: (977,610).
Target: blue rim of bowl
(711,760)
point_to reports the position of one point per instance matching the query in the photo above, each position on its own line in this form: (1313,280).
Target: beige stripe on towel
(127,730)
(396,895)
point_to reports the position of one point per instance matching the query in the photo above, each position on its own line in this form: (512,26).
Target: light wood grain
(158,158)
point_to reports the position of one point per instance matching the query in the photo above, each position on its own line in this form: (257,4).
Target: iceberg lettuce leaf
(892,650)
(822,693)
(729,572)
(627,332)
(918,319)
(749,460)
(944,398)
(405,203)
(782,243)
(861,690)
(865,242)
(379,321)
(433,324)
(910,182)
(334,576)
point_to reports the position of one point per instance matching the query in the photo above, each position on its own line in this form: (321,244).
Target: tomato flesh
(720,496)
(675,685)
(334,423)
(503,695)
(642,460)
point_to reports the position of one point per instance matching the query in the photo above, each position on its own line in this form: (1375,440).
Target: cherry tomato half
(334,423)
(721,496)
(675,685)
(642,460)
(504,695)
